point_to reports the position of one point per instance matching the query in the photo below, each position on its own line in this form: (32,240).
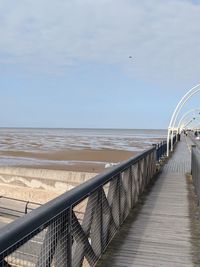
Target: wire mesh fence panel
(27,254)
(56,242)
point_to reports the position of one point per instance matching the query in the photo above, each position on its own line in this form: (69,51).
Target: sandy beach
(87,150)
(40,164)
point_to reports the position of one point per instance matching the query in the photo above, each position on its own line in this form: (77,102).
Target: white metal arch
(183,126)
(194,90)
(181,121)
(182,102)
(195,122)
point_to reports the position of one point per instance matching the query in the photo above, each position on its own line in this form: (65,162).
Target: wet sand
(86,150)
(86,160)
(84,154)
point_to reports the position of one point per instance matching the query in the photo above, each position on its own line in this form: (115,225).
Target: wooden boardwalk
(164,230)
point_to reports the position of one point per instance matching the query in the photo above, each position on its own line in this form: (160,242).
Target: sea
(35,140)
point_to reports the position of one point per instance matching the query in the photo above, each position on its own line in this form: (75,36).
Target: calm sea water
(49,140)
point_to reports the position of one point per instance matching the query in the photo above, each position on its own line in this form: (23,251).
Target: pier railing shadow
(76,228)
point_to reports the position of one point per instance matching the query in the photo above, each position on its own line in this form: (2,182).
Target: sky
(97,64)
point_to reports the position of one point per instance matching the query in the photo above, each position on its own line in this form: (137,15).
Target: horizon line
(79,128)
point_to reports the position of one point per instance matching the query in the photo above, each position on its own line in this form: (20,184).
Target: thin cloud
(163,37)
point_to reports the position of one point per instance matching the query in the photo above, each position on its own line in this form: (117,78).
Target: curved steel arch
(187,123)
(191,121)
(185,116)
(194,90)
(182,102)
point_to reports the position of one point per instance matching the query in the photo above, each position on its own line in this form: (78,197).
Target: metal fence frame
(27,206)
(78,237)
(195,170)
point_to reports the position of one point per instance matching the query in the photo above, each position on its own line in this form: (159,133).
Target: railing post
(120,206)
(26,207)
(156,149)
(113,199)
(144,173)
(139,177)
(131,186)
(162,150)
(195,172)
(63,252)
(97,226)
(69,237)
(192,157)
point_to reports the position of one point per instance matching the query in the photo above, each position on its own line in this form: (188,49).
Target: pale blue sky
(66,63)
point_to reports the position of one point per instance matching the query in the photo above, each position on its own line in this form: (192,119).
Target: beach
(39,164)
(89,150)
(86,160)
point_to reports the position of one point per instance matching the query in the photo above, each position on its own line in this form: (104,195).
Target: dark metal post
(26,207)
(192,159)
(120,206)
(131,185)
(69,237)
(156,149)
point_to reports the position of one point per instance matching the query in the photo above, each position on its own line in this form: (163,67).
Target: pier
(159,232)
(99,134)
(136,214)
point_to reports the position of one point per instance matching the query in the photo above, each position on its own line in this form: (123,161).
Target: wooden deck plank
(158,231)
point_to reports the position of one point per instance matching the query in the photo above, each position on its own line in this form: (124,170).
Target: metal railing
(174,141)
(76,228)
(196,170)
(161,150)
(16,207)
